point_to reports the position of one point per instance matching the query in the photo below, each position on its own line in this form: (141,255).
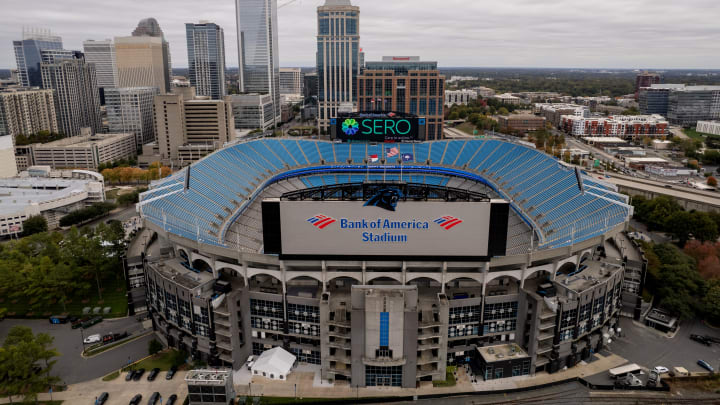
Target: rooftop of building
(588,274)
(177,270)
(503,352)
(16,193)
(85,141)
(208,377)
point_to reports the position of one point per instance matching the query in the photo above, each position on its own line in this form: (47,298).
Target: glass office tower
(338,57)
(258,49)
(206,59)
(28,54)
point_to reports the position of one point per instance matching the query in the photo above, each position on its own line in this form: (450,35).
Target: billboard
(385,229)
(376,128)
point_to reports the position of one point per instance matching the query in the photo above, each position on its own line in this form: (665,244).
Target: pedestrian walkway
(304,383)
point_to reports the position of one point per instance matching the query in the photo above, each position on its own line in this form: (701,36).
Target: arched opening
(384,281)
(341,284)
(183,255)
(201,265)
(231,276)
(540,282)
(566,268)
(463,287)
(303,286)
(503,285)
(265,283)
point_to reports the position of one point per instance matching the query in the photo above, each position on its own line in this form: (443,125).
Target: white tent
(274,363)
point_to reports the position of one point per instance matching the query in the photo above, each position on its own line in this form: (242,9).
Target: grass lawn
(467,127)
(449,378)
(290,400)
(111,376)
(162,360)
(113,296)
(693,134)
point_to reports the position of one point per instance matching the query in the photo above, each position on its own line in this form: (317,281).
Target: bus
(622,371)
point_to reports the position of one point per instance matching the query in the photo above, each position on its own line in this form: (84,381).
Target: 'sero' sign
(377,129)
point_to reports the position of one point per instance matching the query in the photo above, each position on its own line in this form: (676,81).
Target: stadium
(480,251)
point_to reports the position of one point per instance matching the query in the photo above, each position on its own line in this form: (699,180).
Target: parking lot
(73,368)
(648,348)
(121,391)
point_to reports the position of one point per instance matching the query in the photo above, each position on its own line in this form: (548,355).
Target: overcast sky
(507,33)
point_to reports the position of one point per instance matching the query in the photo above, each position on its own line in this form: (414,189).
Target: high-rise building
(338,57)
(143,59)
(654,98)
(310,86)
(258,49)
(253,111)
(140,63)
(291,81)
(206,59)
(102,55)
(27,111)
(404,84)
(690,104)
(130,110)
(76,91)
(645,79)
(188,127)
(28,55)
(8,166)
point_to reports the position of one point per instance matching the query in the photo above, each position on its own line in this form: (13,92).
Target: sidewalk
(305,382)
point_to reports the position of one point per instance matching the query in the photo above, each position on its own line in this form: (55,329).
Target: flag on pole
(392,152)
(406,157)
(373,158)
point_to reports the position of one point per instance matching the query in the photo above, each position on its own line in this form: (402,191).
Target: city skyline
(518,33)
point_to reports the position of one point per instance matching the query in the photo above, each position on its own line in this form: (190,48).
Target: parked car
(138,374)
(712,339)
(250,361)
(118,336)
(171,373)
(704,364)
(130,375)
(700,339)
(153,373)
(136,400)
(102,398)
(661,369)
(154,398)
(92,339)
(92,321)
(79,322)
(108,338)
(171,400)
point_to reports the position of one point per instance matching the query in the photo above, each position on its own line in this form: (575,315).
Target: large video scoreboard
(424,230)
(377,127)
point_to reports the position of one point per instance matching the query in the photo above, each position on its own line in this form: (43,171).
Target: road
(71,366)
(649,348)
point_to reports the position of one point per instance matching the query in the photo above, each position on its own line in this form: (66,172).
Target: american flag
(392,152)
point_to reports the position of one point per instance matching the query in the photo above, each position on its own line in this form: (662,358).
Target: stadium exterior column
(244,269)
(323,264)
(485,268)
(555,269)
(364,276)
(404,273)
(283,271)
(444,273)
(523,275)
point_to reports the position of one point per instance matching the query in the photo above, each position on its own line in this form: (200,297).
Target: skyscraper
(102,55)
(338,57)
(27,111)
(130,110)
(143,59)
(28,54)
(258,49)
(206,59)
(77,96)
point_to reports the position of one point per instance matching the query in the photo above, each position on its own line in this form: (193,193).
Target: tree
(674,280)
(20,373)
(711,302)
(712,181)
(154,347)
(34,224)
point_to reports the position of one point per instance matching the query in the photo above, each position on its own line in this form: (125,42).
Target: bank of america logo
(448,222)
(321,221)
